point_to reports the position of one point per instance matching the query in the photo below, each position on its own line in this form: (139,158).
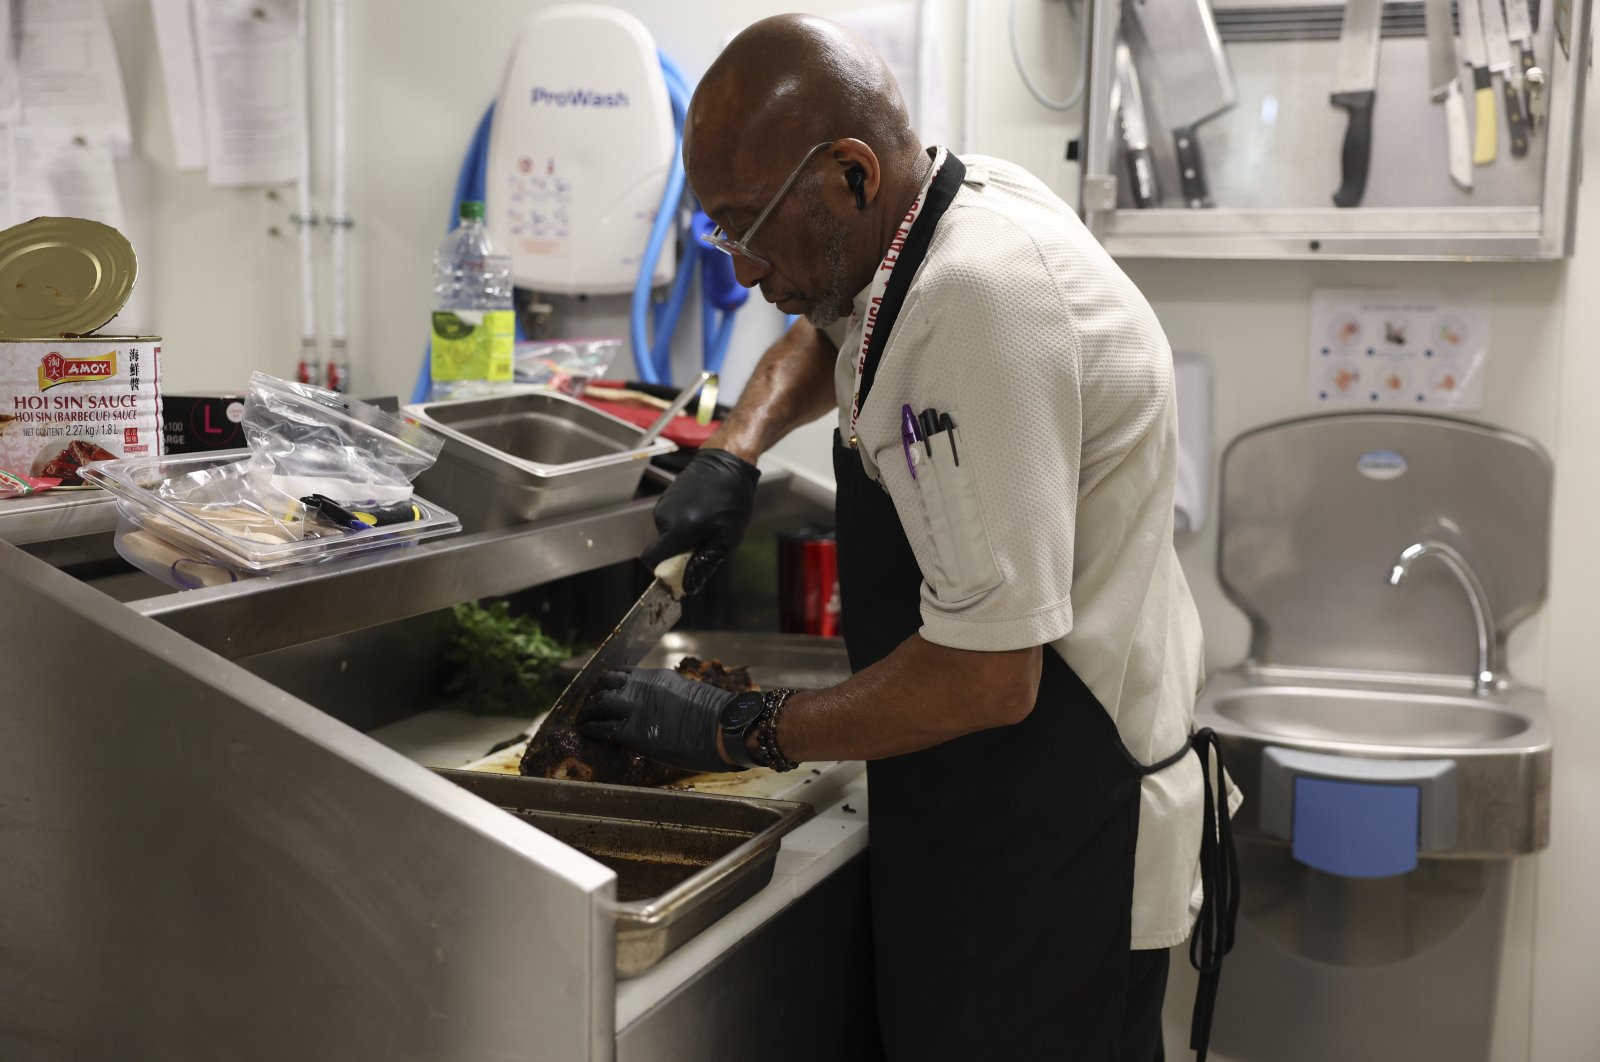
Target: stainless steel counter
(200,863)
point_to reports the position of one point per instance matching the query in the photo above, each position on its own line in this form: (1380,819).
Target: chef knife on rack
(1355,88)
(1135,131)
(1193,76)
(1497,48)
(1444,86)
(1486,123)
(1525,72)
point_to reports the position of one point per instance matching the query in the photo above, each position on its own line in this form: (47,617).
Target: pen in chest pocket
(933,422)
(909,437)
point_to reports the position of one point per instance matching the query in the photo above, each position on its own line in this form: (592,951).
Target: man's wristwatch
(741,716)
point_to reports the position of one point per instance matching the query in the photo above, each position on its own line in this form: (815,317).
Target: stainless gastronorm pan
(683,860)
(541,454)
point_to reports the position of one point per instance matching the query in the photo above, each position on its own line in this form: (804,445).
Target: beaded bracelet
(767,752)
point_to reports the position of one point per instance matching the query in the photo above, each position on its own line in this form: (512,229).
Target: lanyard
(890,283)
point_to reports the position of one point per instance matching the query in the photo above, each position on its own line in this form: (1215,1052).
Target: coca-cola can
(808,583)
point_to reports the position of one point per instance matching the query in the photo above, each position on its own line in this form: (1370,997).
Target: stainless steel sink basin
(1370,717)
(1499,743)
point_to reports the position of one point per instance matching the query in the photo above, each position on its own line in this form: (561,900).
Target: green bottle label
(474,345)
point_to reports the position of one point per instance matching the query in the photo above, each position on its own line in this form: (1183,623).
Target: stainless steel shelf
(56,515)
(273,612)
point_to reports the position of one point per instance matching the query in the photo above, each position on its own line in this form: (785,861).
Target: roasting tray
(683,860)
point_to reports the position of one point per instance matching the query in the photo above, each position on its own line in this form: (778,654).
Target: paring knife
(1355,89)
(1135,131)
(1444,86)
(1486,123)
(1192,72)
(1497,47)
(1519,27)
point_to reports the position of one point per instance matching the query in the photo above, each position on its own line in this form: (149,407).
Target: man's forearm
(792,385)
(918,696)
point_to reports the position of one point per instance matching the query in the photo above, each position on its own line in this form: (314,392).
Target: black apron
(1002,861)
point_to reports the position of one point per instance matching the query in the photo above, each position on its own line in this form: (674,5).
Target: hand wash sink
(1382,559)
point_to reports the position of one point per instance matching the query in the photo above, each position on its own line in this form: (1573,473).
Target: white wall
(217,281)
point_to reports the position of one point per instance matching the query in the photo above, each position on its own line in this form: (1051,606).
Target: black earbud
(856,178)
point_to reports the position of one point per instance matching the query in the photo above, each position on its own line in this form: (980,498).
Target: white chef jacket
(1056,526)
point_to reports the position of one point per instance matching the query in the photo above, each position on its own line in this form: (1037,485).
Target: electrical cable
(1027,79)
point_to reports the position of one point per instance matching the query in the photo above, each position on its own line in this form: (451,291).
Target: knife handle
(1455,123)
(687,574)
(1514,118)
(1486,143)
(1191,172)
(1357,153)
(1142,173)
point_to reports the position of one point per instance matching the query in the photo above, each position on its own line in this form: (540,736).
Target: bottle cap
(471,210)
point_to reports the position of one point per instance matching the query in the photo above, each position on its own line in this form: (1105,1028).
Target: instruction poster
(1376,347)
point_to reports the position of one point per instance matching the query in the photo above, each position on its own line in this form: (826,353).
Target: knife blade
(652,616)
(1355,89)
(1486,126)
(1497,47)
(1192,73)
(1444,86)
(1135,131)
(1519,27)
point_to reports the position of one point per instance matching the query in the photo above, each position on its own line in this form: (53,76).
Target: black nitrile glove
(660,714)
(706,510)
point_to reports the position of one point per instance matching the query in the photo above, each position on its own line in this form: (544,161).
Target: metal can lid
(62,277)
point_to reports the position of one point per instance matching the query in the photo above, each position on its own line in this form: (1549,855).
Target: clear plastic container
(232,538)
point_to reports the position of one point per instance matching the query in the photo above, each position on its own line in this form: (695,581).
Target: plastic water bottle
(474,330)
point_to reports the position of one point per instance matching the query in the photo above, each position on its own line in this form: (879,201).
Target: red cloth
(683,430)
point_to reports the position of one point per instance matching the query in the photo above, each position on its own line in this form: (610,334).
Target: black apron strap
(946,183)
(1219,877)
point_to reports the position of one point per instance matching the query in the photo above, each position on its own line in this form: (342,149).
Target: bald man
(1025,649)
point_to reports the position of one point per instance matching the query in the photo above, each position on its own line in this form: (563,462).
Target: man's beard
(836,294)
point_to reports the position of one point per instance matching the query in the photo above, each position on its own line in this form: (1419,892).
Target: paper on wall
(180,70)
(1378,348)
(252,74)
(68,73)
(8,216)
(55,172)
(10,90)
(903,34)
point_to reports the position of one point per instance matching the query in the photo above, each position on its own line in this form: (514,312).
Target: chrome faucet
(1483,617)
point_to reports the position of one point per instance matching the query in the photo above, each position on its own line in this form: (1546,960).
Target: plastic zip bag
(322,442)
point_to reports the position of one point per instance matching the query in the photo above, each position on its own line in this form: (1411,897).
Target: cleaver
(1195,80)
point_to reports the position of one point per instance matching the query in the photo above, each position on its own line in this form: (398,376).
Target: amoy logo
(1381,464)
(56,368)
(542,96)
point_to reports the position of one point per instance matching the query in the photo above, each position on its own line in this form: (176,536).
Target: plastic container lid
(62,277)
(135,481)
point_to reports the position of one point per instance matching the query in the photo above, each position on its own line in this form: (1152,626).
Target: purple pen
(908,436)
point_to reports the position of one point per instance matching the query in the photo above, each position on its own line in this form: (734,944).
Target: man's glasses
(740,247)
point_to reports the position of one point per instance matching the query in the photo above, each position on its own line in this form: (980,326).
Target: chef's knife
(1497,47)
(1519,27)
(1444,86)
(652,616)
(1193,75)
(1135,131)
(1355,89)
(1486,123)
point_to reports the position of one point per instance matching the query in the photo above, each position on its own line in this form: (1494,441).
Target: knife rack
(1273,159)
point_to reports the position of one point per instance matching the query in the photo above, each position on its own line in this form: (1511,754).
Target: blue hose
(470,182)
